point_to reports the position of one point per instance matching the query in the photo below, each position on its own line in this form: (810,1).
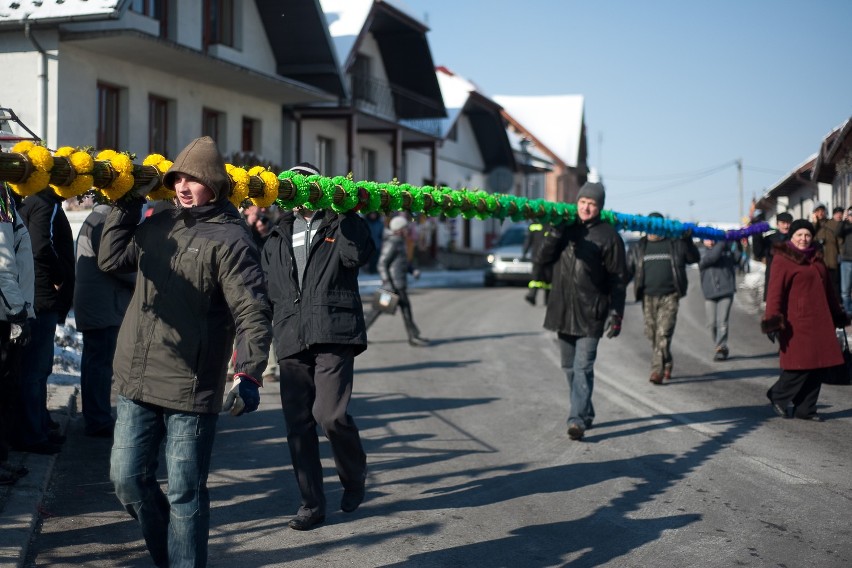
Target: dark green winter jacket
(198,282)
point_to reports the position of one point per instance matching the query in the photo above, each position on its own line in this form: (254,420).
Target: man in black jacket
(658,267)
(53,261)
(311,260)
(587,298)
(762,244)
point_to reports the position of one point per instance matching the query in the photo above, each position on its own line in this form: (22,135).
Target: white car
(506,262)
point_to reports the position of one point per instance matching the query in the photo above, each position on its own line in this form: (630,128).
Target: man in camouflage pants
(657,266)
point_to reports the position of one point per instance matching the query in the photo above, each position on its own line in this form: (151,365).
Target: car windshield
(513,236)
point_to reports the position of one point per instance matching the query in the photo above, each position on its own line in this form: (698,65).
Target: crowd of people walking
(180,302)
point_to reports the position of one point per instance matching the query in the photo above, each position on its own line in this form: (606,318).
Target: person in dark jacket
(53,261)
(587,298)
(311,260)
(657,266)
(802,313)
(394,267)
(541,273)
(100,301)
(763,244)
(198,283)
(845,236)
(718,270)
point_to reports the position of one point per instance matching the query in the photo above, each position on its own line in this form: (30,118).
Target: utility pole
(740,181)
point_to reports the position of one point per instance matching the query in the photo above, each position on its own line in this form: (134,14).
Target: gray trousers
(718,311)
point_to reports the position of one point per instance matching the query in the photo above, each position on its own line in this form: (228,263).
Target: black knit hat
(802,224)
(785,217)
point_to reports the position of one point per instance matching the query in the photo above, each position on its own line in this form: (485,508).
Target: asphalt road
(470,464)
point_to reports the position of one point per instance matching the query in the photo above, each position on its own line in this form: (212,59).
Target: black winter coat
(53,252)
(328,309)
(683,251)
(589,277)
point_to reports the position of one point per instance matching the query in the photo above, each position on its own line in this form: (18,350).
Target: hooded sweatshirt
(198,283)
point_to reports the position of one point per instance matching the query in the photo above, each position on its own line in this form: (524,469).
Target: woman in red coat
(802,311)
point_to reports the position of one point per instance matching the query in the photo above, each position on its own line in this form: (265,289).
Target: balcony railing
(381,99)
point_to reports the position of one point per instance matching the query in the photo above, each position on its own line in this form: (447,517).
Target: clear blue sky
(671,87)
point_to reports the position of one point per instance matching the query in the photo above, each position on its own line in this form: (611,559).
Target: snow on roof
(346,19)
(18,10)
(556,120)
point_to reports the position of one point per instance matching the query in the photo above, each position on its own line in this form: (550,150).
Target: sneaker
(575,432)
(656,378)
(415,341)
(721,353)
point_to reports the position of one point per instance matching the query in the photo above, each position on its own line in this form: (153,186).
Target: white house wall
(23,94)
(80,71)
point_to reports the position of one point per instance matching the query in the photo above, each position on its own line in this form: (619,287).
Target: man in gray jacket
(198,282)
(718,283)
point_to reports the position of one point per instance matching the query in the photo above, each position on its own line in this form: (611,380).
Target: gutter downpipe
(42,78)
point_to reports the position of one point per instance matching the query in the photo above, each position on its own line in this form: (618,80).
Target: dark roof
(408,62)
(489,131)
(834,147)
(299,38)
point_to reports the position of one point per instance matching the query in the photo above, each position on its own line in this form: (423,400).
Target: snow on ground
(67,352)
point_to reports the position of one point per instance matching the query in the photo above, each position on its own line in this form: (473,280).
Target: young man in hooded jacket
(198,283)
(311,260)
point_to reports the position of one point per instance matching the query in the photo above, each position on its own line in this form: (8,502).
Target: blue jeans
(846,285)
(96,377)
(578,356)
(36,367)
(176,527)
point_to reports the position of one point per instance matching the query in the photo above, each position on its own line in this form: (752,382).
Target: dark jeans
(316,385)
(10,368)
(176,527)
(96,377)
(578,356)
(36,367)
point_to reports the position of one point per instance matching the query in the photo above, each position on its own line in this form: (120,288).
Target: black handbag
(385,301)
(841,374)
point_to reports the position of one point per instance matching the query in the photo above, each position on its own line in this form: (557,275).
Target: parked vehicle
(506,262)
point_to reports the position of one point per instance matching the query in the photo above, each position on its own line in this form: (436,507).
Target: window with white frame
(368,164)
(213,125)
(325,155)
(109,117)
(159,109)
(219,16)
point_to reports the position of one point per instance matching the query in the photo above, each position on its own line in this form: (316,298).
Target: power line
(706,173)
(664,177)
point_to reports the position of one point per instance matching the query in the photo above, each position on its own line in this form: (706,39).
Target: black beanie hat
(802,224)
(593,190)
